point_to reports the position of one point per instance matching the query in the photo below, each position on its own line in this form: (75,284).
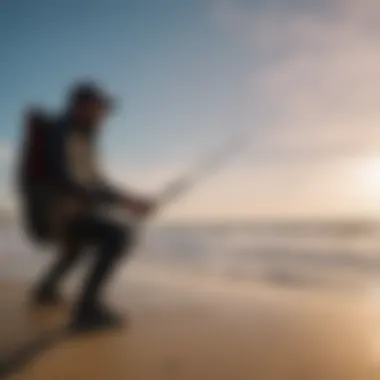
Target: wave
(283,254)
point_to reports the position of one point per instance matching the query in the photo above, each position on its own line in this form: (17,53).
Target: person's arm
(111,194)
(67,180)
(106,193)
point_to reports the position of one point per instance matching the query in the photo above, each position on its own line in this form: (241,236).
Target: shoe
(47,297)
(95,318)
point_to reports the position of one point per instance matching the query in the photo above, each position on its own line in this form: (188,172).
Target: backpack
(34,165)
(34,174)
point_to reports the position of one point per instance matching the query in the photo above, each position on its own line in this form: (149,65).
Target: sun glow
(368,178)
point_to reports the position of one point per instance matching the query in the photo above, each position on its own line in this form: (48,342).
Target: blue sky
(186,73)
(167,63)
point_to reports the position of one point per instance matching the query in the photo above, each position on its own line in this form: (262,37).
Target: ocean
(320,255)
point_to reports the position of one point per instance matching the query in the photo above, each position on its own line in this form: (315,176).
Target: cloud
(315,82)
(320,76)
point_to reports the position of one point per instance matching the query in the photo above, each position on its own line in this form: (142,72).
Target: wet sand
(181,329)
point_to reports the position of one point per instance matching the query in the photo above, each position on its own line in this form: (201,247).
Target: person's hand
(144,208)
(140,207)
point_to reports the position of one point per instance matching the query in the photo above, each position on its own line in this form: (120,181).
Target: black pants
(110,241)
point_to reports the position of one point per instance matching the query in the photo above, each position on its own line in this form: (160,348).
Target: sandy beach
(185,329)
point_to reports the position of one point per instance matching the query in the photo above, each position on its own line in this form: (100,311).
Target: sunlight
(368,176)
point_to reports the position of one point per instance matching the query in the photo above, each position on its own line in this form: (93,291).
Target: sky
(299,80)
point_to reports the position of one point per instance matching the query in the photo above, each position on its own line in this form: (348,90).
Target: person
(77,193)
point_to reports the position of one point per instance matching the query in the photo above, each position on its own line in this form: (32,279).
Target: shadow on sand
(19,358)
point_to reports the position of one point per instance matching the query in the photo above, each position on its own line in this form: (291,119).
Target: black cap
(89,91)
